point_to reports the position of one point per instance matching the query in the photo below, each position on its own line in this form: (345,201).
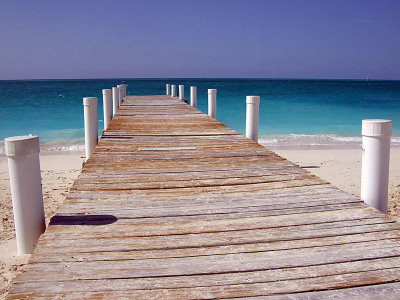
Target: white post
(212,103)
(173,90)
(167,86)
(115,94)
(26,190)
(91,124)
(124,88)
(252,115)
(375,162)
(120,94)
(193,96)
(181,92)
(107,107)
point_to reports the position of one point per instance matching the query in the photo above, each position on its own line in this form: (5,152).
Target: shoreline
(278,142)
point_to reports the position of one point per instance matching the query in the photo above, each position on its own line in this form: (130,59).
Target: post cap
(106,92)
(181,85)
(22,145)
(212,91)
(88,101)
(376,127)
(253,99)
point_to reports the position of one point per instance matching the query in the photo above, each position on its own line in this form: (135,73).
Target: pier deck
(174,204)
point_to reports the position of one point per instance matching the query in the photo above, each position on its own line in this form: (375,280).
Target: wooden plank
(112,247)
(214,279)
(210,224)
(213,264)
(169,184)
(163,208)
(213,189)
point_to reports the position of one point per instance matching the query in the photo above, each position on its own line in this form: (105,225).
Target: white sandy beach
(340,167)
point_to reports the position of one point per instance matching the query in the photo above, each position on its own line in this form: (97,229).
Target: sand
(340,167)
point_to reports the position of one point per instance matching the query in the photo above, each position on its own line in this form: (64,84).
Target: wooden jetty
(174,204)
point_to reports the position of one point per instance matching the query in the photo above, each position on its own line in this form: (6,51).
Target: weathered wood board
(173,204)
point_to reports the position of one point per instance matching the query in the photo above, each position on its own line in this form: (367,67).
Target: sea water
(293,113)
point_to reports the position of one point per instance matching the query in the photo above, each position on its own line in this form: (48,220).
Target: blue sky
(219,38)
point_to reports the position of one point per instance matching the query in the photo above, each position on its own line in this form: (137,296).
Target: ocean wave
(61,147)
(302,141)
(74,148)
(395,141)
(316,141)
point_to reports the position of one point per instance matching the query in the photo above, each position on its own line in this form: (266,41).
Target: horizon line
(194,78)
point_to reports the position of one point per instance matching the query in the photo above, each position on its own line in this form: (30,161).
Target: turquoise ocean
(293,113)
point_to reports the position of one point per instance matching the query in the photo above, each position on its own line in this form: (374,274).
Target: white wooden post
(107,107)
(193,96)
(91,125)
(120,94)
(167,86)
(173,90)
(252,116)
(26,190)
(375,162)
(124,90)
(115,94)
(212,103)
(181,92)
